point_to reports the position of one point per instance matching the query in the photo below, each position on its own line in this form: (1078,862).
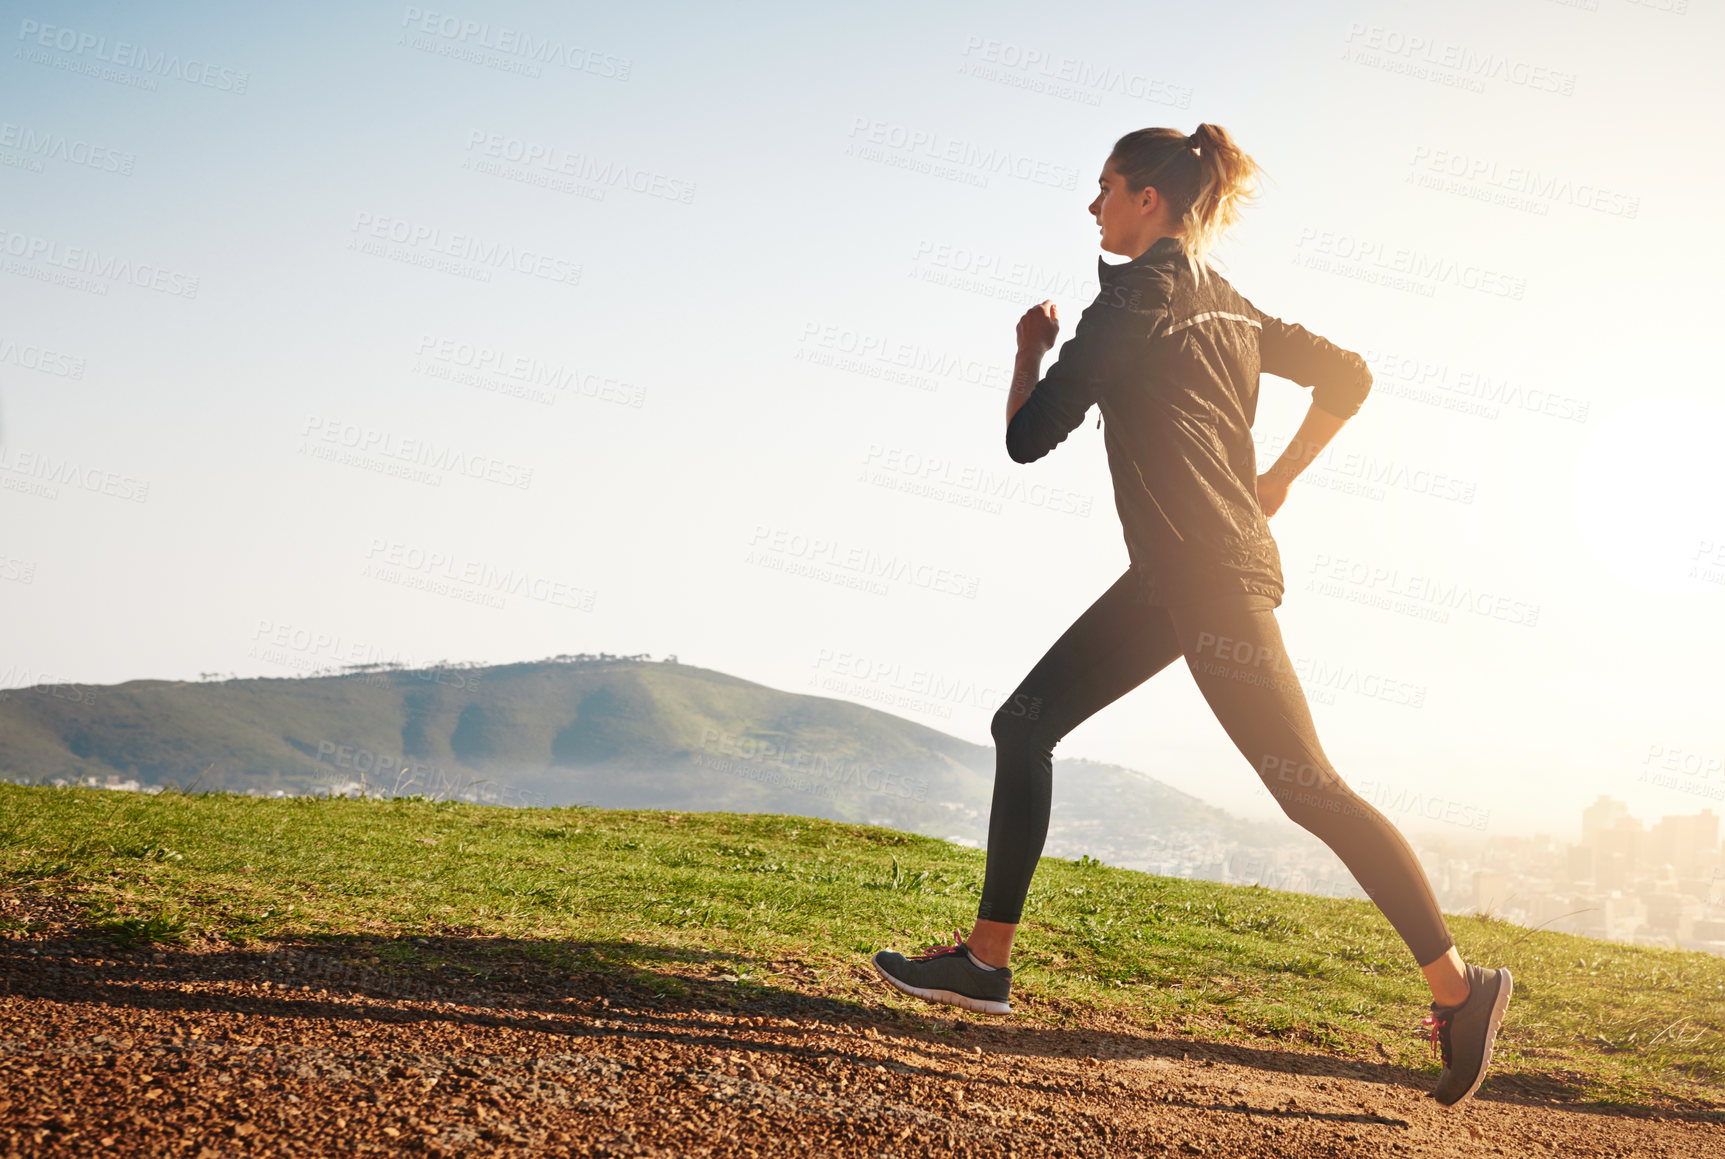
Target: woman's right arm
(1340,381)
(1315,433)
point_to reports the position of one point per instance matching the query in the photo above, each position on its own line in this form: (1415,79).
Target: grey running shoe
(1465,1034)
(946,974)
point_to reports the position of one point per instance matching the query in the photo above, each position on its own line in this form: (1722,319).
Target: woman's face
(1121,216)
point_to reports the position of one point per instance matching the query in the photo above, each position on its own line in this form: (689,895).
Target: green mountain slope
(622,733)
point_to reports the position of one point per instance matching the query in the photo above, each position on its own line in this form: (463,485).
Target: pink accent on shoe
(940,949)
(1439,1037)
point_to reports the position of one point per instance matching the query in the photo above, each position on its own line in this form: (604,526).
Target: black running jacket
(1174,368)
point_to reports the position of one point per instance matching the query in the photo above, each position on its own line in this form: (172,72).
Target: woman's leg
(1118,643)
(1234,649)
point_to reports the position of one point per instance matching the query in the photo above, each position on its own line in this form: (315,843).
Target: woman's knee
(1018,721)
(1313,797)
(1294,782)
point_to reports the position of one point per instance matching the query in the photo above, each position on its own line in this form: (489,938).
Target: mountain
(616,732)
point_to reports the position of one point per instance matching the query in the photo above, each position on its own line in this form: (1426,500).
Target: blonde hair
(1206,178)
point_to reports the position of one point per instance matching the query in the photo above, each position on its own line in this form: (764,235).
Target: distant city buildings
(1658,885)
(126,785)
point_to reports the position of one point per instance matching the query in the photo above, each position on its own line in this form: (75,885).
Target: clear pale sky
(339,332)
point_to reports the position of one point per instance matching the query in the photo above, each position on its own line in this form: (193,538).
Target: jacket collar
(1163,249)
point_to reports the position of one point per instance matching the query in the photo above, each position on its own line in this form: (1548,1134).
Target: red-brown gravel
(301,1050)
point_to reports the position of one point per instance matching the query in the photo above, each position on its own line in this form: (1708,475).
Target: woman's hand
(1038,328)
(1272,493)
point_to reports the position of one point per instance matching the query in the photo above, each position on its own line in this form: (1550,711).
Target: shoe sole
(1498,1006)
(949,997)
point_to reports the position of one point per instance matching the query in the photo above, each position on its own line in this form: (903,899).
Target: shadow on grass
(646,992)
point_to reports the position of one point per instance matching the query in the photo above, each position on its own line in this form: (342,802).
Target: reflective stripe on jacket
(1173,366)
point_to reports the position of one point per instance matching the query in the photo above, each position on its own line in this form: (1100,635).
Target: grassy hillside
(617,733)
(669,899)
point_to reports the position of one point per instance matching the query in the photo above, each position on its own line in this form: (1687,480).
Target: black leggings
(1234,651)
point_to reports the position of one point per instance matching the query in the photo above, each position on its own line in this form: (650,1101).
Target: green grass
(638,892)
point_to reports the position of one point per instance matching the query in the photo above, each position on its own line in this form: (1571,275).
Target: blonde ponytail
(1206,178)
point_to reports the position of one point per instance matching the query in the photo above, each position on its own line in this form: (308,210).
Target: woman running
(1171,354)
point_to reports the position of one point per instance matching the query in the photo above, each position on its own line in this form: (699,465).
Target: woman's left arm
(1037,331)
(1041,410)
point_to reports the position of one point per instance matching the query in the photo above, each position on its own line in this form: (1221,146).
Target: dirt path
(217,1052)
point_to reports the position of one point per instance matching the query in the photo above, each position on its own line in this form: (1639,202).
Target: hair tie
(1192,141)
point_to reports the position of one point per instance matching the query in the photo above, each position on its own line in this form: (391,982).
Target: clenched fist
(1038,328)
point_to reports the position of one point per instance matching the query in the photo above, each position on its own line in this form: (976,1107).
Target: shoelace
(940,949)
(1439,1035)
